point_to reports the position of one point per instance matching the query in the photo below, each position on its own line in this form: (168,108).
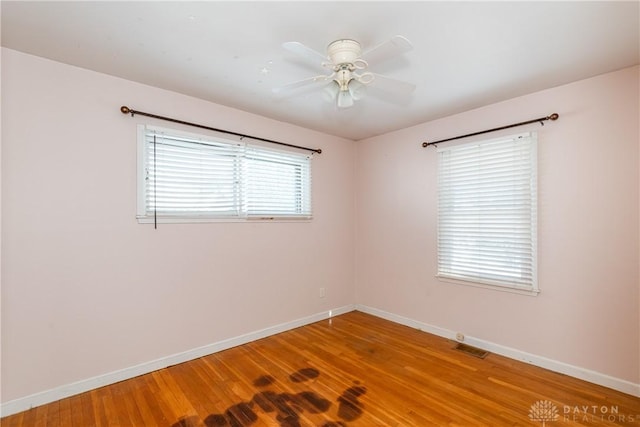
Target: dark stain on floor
(286,408)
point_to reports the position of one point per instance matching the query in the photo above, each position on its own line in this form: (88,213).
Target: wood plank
(352,370)
(64,415)
(145,403)
(75,406)
(16,420)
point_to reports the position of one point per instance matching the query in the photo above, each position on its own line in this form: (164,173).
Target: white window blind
(277,183)
(487,220)
(185,177)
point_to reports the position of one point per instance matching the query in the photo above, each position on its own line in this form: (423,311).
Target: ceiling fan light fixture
(330,92)
(343,76)
(357,89)
(345,100)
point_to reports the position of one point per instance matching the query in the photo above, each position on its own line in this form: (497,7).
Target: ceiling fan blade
(392,86)
(304,52)
(396,46)
(300,84)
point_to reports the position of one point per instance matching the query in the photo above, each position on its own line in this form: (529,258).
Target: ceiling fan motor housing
(344,51)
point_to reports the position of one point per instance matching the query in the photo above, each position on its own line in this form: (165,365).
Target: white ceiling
(466,54)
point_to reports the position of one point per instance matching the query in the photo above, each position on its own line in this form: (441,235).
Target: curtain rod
(541,120)
(126,110)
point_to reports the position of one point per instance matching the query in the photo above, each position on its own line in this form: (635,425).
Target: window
(185,177)
(487,203)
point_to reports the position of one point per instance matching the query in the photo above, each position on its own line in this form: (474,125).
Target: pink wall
(86,290)
(587,314)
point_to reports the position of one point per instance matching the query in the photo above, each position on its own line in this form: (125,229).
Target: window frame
(532,288)
(143,216)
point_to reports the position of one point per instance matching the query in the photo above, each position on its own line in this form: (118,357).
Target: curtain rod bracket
(541,120)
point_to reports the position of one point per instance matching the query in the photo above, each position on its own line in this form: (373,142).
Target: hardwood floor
(353,370)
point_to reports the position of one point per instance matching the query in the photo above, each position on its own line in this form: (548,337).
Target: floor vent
(473,351)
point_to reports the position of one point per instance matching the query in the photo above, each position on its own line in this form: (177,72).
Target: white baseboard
(543,362)
(48,396)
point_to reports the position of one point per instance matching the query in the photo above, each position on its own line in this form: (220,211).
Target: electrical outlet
(322,292)
(460,336)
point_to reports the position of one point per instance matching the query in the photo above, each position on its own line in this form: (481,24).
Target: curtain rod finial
(124,109)
(554,116)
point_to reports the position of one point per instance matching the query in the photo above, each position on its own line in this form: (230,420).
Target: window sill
(501,288)
(196,220)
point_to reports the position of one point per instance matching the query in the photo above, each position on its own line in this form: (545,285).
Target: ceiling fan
(349,79)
